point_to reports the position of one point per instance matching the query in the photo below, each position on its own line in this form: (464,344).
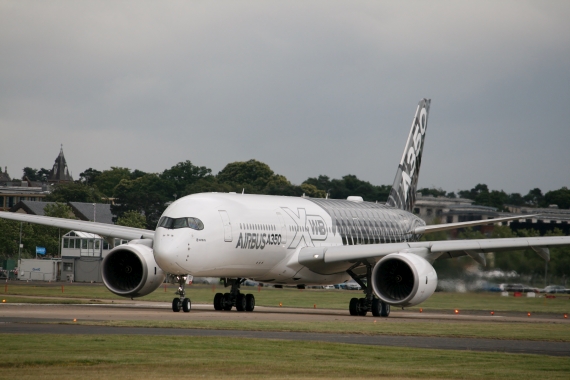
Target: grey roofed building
(81,210)
(59,171)
(30,207)
(85,211)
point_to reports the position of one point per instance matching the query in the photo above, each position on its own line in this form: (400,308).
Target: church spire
(59,171)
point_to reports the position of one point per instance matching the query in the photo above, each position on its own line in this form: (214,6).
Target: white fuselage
(249,236)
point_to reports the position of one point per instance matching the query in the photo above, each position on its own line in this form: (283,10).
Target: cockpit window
(175,223)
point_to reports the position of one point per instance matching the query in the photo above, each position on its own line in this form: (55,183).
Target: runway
(31,318)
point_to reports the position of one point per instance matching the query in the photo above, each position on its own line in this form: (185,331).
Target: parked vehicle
(554,289)
(352,285)
(519,288)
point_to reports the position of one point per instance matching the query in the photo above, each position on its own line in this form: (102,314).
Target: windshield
(175,223)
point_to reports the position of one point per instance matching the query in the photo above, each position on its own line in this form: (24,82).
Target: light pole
(94,211)
(20,247)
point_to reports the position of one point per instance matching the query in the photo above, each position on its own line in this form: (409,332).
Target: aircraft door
(227,225)
(282,228)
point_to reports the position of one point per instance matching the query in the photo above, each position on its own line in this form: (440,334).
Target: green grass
(160,357)
(48,300)
(499,330)
(323,299)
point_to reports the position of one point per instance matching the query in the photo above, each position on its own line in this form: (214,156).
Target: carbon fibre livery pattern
(369,223)
(403,192)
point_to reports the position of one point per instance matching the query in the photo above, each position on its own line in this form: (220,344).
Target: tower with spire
(59,172)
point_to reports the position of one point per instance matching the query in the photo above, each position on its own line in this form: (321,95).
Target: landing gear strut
(242,302)
(181,302)
(361,306)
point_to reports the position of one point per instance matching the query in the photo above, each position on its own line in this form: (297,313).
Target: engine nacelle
(130,270)
(403,279)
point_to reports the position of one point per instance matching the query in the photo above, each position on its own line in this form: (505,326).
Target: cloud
(310,88)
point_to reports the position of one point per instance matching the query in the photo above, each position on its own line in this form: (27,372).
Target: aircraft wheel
(218,301)
(186,305)
(249,302)
(240,302)
(227,302)
(376,307)
(176,305)
(362,310)
(384,309)
(353,306)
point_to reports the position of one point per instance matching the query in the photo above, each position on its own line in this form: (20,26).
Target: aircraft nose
(169,249)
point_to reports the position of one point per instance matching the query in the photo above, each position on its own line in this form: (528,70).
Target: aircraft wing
(453,226)
(103,229)
(329,260)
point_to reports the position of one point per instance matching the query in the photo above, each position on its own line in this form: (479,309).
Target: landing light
(456,311)
(528,314)
(492,313)
(565,315)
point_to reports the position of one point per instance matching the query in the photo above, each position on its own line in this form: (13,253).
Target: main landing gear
(242,302)
(181,302)
(361,306)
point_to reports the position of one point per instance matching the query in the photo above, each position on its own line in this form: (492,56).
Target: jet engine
(129,270)
(403,279)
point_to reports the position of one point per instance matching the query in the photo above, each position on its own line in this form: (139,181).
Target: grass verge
(160,357)
(307,298)
(518,331)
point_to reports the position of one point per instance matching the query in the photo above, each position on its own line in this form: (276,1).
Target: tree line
(138,199)
(500,200)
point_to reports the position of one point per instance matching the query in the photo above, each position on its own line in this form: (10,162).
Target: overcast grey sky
(308,87)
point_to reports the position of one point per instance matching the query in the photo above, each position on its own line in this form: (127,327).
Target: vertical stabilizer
(403,193)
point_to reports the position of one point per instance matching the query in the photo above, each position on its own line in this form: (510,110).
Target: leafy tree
(89,176)
(109,179)
(534,197)
(73,192)
(433,191)
(132,219)
(350,185)
(312,191)
(252,172)
(59,210)
(146,195)
(208,185)
(559,197)
(184,174)
(515,199)
(34,174)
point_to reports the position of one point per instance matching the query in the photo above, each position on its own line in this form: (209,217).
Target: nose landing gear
(226,301)
(181,302)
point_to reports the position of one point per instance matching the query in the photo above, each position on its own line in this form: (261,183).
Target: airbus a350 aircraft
(299,241)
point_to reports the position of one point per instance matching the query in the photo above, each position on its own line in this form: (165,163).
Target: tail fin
(403,193)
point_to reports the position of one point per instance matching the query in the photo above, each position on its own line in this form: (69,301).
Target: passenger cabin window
(175,223)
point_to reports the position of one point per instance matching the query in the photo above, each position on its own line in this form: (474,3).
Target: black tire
(249,302)
(227,302)
(186,305)
(353,306)
(376,307)
(240,302)
(362,309)
(218,301)
(176,305)
(384,309)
